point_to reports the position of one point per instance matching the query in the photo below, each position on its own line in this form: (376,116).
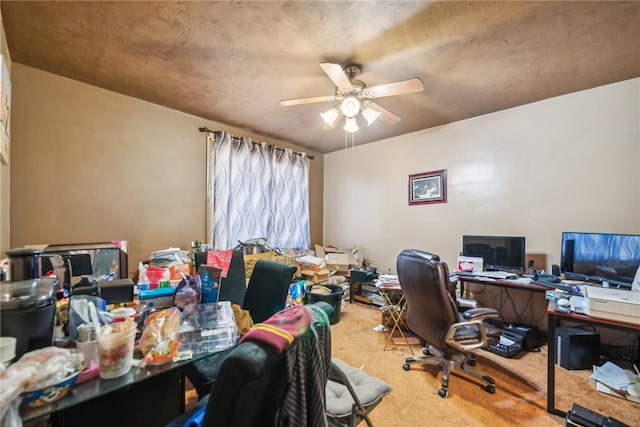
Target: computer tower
(577,348)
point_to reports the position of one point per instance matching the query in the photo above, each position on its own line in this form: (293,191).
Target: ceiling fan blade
(288,102)
(396,88)
(336,74)
(385,115)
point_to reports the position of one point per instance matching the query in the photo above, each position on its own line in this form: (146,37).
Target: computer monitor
(503,253)
(613,258)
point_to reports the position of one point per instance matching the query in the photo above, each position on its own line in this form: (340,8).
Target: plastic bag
(296,293)
(79,312)
(10,417)
(52,364)
(13,383)
(35,369)
(188,291)
(159,341)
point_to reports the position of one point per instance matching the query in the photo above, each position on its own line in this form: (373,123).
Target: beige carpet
(521,384)
(520,398)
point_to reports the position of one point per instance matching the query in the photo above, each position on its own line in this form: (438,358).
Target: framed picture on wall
(428,187)
(5,110)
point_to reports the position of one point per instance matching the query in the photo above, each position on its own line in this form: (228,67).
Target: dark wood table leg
(551,366)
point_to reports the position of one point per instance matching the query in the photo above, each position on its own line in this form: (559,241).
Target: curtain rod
(204,129)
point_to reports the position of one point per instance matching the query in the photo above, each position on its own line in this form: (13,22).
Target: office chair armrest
(467,344)
(480,313)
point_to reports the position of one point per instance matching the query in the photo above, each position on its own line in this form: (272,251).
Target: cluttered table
(155,394)
(99,373)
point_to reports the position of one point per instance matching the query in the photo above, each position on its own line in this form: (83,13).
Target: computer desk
(555,318)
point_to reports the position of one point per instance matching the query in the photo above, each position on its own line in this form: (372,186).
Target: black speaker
(577,348)
(555,270)
(567,252)
(116,291)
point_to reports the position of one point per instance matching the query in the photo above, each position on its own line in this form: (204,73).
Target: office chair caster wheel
(471,362)
(490,388)
(426,351)
(406,366)
(443,393)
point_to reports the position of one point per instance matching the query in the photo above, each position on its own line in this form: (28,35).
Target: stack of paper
(612,379)
(170,255)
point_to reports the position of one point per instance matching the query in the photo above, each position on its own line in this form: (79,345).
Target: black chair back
(249,389)
(234,286)
(268,289)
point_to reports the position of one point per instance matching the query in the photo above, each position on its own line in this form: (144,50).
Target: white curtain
(256,190)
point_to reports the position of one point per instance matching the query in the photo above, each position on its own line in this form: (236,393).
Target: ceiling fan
(355,97)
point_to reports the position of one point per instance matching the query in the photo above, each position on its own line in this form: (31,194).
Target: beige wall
(92,165)
(567,163)
(4,169)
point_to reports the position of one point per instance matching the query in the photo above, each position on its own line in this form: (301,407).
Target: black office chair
(265,295)
(432,314)
(267,289)
(255,385)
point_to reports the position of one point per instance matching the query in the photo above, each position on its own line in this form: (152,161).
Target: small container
(86,332)
(115,349)
(122,314)
(633,392)
(90,351)
(7,349)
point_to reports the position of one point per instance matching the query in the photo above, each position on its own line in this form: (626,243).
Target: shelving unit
(365,293)
(361,287)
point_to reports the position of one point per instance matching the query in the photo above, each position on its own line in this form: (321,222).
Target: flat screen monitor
(504,253)
(600,256)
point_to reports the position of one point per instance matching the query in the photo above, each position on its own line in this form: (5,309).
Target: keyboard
(502,275)
(572,289)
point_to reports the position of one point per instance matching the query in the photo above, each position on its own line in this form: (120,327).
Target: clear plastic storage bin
(209,327)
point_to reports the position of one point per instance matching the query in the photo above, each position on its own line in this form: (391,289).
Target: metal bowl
(27,294)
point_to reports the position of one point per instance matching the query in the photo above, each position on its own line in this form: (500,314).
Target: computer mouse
(563,305)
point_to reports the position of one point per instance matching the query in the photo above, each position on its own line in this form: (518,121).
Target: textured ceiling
(232,62)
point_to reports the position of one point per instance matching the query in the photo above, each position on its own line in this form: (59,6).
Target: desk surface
(583,318)
(503,283)
(97,387)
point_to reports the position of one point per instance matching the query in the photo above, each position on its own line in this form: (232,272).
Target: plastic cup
(115,349)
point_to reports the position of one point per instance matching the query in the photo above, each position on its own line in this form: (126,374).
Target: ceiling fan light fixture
(330,116)
(370,115)
(350,125)
(350,106)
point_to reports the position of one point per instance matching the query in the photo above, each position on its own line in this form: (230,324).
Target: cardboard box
(316,276)
(251,259)
(338,260)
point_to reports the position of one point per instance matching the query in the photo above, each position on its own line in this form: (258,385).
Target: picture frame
(428,187)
